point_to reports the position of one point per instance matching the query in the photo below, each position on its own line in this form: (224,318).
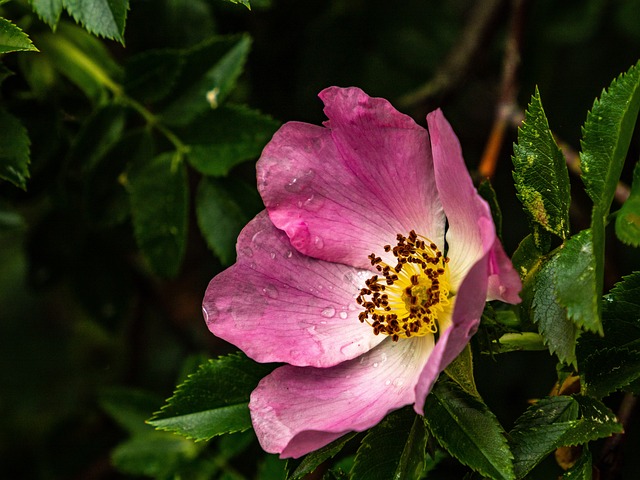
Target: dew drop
(318,242)
(351,307)
(398,382)
(298,183)
(270,291)
(288,254)
(323,322)
(388,382)
(210,313)
(272,255)
(375,365)
(328,312)
(343,315)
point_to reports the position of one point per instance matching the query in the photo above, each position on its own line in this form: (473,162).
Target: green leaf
(610,362)
(606,135)
(154,455)
(241,2)
(48,10)
(610,369)
(12,39)
(525,341)
(582,470)
(14,150)
(311,461)
(105,18)
(461,372)
(222,209)
(159,206)
(574,267)
(220,139)
(214,400)
(129,408)
(395,448)
(558,332)
(210,72)
(468,430)
(628,218)
(541,176)
(555,422)
(83,59)
(151,75)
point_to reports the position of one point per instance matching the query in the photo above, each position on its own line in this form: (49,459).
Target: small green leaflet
(612,362)
(222,209)
(214,400)
(241,2)
(105,18)
(311,461)
(393,449)
(210,72)
(14,150)
(555,422)
(628,218)
(159,206)
(13,39)
(540,174)
(606,136)
(48,10)
(461,371)
(468,430)
(222,138)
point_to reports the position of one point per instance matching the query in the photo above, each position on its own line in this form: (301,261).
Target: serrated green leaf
(575,284)
(159,206)
(461,372)
(610,369)
(83,59)
(311,461)
(13,39)
(129,408)
(222,209)
(210,73)
(554,422)
(527,258)
(14,150)
(222,138)
(151,75)
(214,400)
(606,135)
(468,430)
(582,470)
(48,10)
(559,333)
(106,18)
(541,176)
(610,362)
(403,439)
(628,218)
(154,455)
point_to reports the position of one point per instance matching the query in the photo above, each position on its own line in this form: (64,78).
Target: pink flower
(344,278)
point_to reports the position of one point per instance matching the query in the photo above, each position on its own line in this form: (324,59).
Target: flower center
(405,300)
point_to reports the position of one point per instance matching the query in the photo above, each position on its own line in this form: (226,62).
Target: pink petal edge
(297,410)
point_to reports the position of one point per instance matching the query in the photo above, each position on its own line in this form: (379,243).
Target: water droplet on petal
(247,252)
(272,255)
(343,315)
(398,382)
(388,382)
(351,307)
(288,254)
(375,365)
(210,313)
(270,291)
(318,242)
(296,184)
(328,312)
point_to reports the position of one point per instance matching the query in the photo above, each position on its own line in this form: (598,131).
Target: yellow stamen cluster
(405,300)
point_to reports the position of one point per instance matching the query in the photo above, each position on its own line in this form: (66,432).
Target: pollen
(405,300)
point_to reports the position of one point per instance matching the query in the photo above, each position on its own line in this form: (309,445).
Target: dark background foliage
(81,313)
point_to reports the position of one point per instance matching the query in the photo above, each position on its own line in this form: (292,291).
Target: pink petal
(463,206)
(278,305)
(469,304)
(504,281)
(345,191)
(297,410)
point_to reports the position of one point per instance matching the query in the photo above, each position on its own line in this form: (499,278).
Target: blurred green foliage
(130,173)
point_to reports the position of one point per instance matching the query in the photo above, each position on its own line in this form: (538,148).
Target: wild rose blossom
(366,274)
